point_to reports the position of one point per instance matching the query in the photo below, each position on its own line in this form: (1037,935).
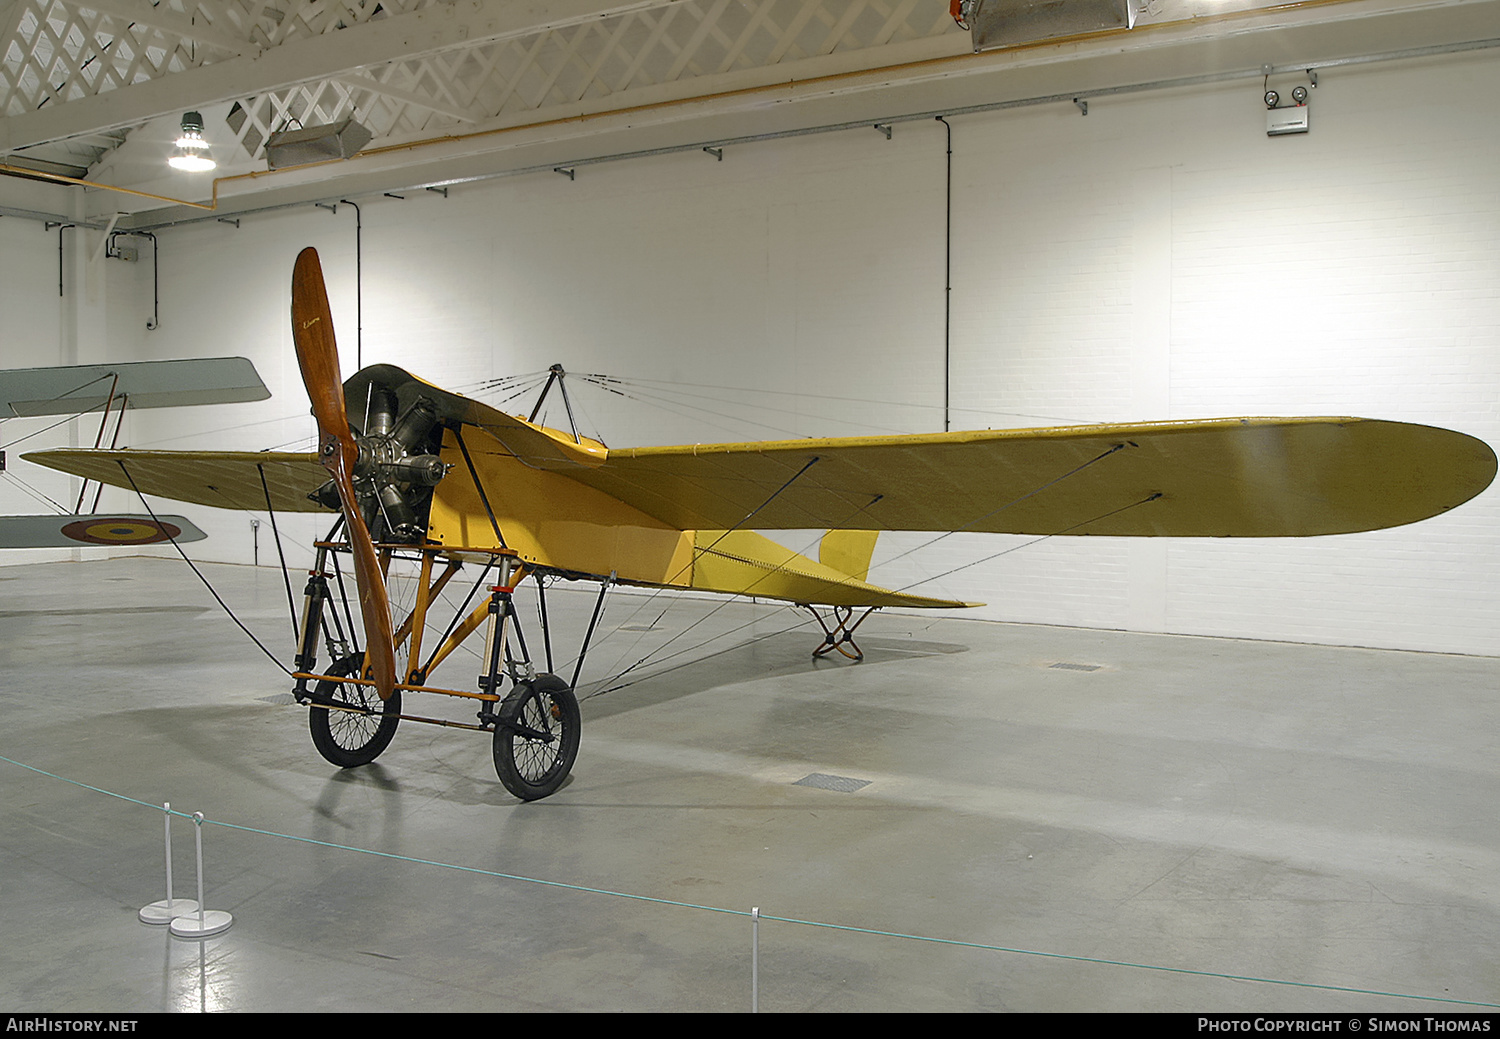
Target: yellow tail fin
(848,551)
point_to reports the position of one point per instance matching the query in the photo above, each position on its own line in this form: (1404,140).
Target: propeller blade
(318,357)
(317,353)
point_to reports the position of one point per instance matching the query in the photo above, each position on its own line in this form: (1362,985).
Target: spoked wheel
(536,739)
(349,738)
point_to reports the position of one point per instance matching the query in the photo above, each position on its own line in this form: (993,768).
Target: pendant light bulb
(191,154)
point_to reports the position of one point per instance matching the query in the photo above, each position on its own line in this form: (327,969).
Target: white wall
(1158,258)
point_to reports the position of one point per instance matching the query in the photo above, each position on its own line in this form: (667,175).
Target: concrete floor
(1311,815)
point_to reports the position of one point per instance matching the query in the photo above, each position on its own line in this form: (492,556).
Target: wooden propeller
(318,356)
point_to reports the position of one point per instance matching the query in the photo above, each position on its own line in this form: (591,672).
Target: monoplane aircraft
(446,482)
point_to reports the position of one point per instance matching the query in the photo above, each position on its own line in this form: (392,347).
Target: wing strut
(458,434)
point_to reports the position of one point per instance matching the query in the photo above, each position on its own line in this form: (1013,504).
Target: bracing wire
(1013,502)
(800,623)
(604,381)
(1033,541)
(40,496)
(276,535)
(192,566)
(979,519)
(44,429)
(643,397)
(745,593)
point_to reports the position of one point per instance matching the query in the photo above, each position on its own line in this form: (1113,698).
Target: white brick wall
(1158,258)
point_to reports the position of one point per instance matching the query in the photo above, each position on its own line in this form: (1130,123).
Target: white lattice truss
(478,62)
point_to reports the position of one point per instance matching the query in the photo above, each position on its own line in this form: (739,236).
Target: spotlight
(1299,94)
(1272,99)
(192,150)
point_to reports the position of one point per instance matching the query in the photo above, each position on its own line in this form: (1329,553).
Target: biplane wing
(113,529)
(80,388)
(111,389)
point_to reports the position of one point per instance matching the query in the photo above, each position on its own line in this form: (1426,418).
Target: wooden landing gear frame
(532,716)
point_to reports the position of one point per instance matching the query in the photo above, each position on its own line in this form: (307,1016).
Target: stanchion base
(164,912)
(215,921)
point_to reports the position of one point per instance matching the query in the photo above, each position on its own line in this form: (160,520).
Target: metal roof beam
(446,24)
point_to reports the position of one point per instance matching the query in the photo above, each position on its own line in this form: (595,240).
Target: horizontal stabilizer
(746,563)
(114,530)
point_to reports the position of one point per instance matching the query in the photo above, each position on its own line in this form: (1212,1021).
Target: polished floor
(1178,824)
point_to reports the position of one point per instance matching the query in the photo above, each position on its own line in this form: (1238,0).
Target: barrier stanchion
(165,911)
(206,922)
(755,959)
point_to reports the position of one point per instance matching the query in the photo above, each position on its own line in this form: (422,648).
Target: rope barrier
(721,910)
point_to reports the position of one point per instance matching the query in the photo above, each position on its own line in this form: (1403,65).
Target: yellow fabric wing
(1250,477)
(225,479)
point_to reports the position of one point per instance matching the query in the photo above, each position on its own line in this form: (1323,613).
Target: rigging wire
(1014,501)
(212,591)
(38,495)
(642,397)
(44,429)
(1033,541)
(630,381)
(862,423)
(979,519)
(800,623)
(746,593)
(276,535)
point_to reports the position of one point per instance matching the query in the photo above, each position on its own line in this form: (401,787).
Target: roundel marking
(119,530)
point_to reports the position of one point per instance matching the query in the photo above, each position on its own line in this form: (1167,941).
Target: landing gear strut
(840,636)
(533,718)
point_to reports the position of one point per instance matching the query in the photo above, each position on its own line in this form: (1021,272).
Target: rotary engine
(397,468)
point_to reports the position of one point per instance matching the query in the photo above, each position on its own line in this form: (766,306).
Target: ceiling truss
(69,67)
(94,88)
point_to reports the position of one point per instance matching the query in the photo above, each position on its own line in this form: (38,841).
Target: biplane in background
(445,481)
(74,391)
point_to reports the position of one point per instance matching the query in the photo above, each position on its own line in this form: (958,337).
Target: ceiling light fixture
(191,155)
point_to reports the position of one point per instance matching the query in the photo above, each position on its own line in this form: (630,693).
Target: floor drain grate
(278,699)
(1064,665)
(823,781)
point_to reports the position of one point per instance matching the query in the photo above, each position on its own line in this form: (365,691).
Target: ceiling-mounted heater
(299,147)
(995,24)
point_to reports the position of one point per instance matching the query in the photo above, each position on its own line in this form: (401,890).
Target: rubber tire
(546,703)
(347,739)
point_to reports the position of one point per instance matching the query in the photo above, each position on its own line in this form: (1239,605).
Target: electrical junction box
(1282,121)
